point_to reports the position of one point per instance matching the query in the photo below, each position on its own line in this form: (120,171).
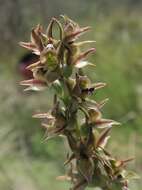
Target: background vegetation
(26,161)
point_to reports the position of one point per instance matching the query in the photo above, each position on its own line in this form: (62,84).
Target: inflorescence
(60,66)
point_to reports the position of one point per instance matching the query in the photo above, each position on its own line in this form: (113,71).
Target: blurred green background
(26,161)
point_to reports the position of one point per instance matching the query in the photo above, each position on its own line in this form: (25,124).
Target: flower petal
(32,66)
(35,39)
(43,115)
(28,45)
(34,84)
(102,103)
(77,33)
(98,85)
(83,64)
(102,140)
(84,55)
(103,123)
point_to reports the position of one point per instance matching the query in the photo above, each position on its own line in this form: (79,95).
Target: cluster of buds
(60,66)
